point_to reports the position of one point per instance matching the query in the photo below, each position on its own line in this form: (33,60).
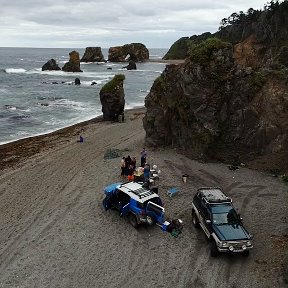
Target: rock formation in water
(93,54)
(74,63)
(112,98)
(131,66)
(134,51)
(50,66)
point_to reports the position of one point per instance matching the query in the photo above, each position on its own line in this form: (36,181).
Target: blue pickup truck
(140,205)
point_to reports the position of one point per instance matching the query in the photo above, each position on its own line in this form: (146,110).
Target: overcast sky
(106,23)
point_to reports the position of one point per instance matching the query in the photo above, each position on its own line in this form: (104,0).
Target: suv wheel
(133,220)
(213,249)
(195,220)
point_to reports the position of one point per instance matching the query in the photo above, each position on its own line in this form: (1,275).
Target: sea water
(35,102)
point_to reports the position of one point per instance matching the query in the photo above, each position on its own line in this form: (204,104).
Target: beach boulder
(131,65)
(112,98)
(74,63)
(50,65)
(134,51)
(93,54)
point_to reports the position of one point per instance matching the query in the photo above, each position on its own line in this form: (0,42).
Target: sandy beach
(54,231)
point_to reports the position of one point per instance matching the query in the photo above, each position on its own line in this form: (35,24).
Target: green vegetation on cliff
(268,26)
(201,53)
(180,49)
(111,85)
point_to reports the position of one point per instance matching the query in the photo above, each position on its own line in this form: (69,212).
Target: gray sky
(106,23)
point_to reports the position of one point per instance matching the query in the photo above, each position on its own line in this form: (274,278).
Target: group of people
(128,166)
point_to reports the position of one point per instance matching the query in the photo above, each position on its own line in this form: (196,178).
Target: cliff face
(212,107)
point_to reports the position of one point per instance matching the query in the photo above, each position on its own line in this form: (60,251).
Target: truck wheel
(213,249)
(246,253)
(133,220)
(195,220)
(105,204)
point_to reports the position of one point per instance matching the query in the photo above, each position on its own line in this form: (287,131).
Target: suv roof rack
(214,195)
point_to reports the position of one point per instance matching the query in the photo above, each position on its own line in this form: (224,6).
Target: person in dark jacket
(143,157)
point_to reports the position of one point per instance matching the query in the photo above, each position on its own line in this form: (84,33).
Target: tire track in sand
(10,252)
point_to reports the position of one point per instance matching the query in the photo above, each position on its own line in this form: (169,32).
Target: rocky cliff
(213,107)
(260,33)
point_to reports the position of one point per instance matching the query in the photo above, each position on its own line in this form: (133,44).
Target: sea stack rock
(134,51)
(131,65)
(74,63)
(50,66)
(77,81)
(93,54)
(112,98)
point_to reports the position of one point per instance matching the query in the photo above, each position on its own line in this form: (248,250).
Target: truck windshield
(230,217)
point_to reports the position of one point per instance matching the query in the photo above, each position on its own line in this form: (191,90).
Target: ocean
(35,102)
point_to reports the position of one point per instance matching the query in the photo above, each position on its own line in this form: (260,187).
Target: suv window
(230,217)
(155,200)
(122,197)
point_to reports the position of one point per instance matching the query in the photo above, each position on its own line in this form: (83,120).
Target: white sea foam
(25,110)
(10,107)
(15,70)
(101,75)
(80,106)
(22,133)
(89,83)
(4,91)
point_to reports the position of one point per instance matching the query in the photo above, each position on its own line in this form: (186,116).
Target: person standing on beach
(143,157)
(127,164)
(146,172)
(133,163)
(122,165)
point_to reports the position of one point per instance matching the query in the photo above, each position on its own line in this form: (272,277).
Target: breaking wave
(15,70)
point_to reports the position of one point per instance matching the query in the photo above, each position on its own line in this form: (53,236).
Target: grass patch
(111,85)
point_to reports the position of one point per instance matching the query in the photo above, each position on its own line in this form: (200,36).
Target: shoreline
(14,152)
